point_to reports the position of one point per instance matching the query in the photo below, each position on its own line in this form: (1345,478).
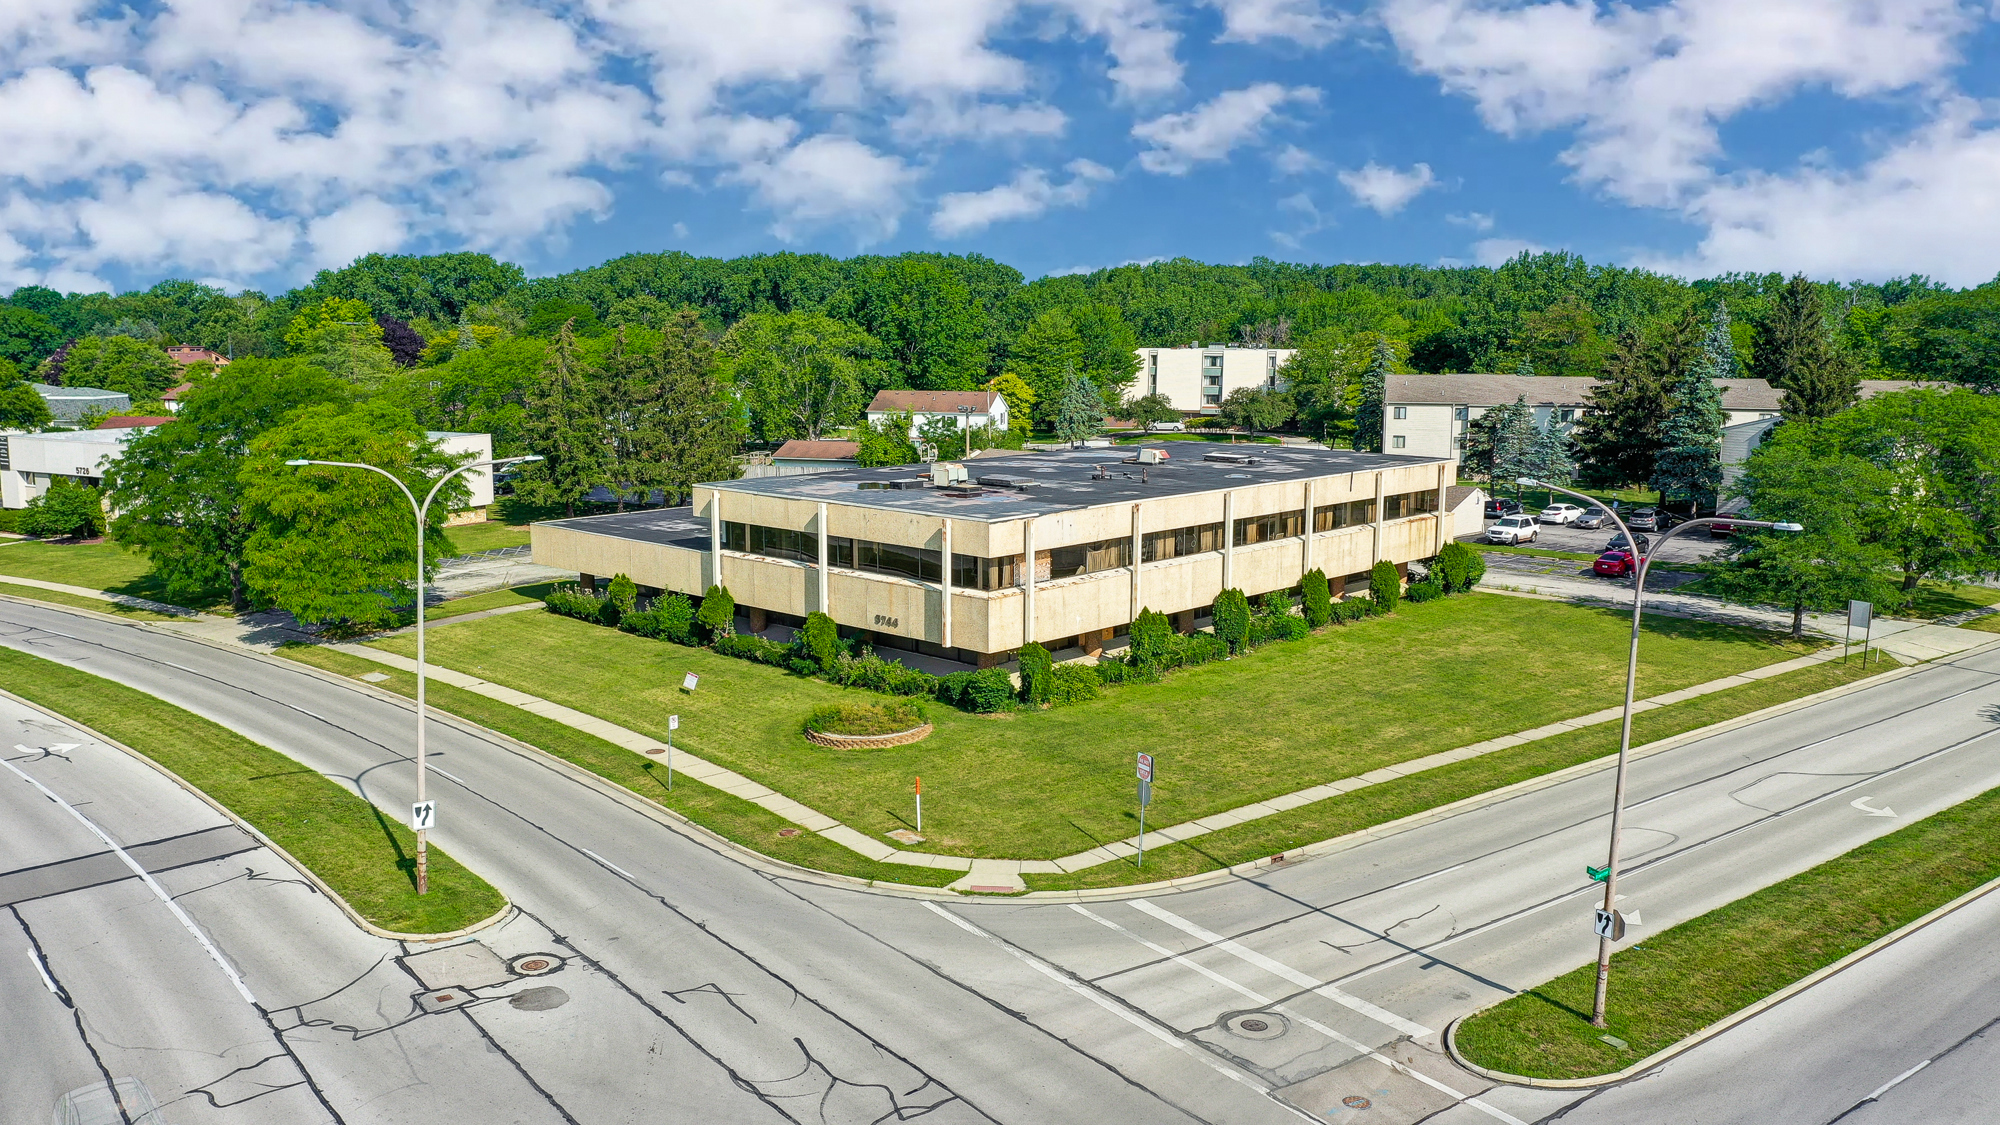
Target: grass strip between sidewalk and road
(1419,792)
(1688,977)
(725,814)
(78,601)
(368,858)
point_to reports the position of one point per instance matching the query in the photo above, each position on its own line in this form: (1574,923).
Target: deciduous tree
(800,373)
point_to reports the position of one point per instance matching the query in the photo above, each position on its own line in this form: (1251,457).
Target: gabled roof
(819,450)
(935,402)
(133,422)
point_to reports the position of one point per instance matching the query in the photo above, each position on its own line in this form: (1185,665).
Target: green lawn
(78,601)
(368,858)
(1987,624)
(492,599)
(1680,981)
(97,566)
(722,813)
(1044,784)
(472,538)
(1407,796)
(1538,552)
(1941,599)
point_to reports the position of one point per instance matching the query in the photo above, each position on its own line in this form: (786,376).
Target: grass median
(368,858)
(1419,792)
(724,814)
(1028,784)
(78,601)
(1694,974)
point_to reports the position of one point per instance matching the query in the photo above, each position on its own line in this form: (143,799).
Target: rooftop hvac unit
(947,473)
(1151,456)
(1230,458)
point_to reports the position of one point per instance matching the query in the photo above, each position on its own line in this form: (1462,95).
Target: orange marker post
(920,805)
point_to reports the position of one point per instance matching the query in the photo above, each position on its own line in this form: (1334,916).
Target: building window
(1458,413)
(1083,558)
(1397,442)
(1270,372)
(1402,412)
(1153,381)
(1211,380)
(1158,546)
(1566,414)
(6,457)
(1262,529)
(1333,517)
(1406,504)
(771,542)
(969,572)
(1461,443)
(884,558)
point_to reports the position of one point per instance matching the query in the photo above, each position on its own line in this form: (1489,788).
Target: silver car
(1592,519)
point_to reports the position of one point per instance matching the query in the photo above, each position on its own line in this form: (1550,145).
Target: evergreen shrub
(623,594)
(1316,598)
(1232,618)
(821,639)
(717,615)
(1037,672)
(1152,633)
(990,689)
(1385,586)
(1072,683)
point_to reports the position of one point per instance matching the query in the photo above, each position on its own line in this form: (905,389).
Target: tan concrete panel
(769,511)
(1408,539)
(771,584)
(1180,511)
(885,605)
(648,564)
(1345,551)
(1410,478)
(1268,566)
(1179,584)
(987,623)
(1072,605)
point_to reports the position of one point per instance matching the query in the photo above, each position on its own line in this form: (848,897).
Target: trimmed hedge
(1385,585)
(1037,672)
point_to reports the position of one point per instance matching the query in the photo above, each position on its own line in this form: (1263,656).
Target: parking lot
(1688,546)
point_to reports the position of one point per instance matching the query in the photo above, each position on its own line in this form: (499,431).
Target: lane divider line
(1279,969)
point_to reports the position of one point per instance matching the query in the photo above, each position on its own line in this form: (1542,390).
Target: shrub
(68,510)
(1454,567)
(803,667)
(1232,618)
(643,622)
(1316,597)
(1353,609)
(624,594)
(676,618)
(1192,649)
(1151,634)
(717,615)
(1275,603)
(1430,589)
(903,680)
(1072,683)
(572,601)
(951,688)
(1385,585)
(752,647)
(990,689)
(888,717)
(1474,571)
(1037,670)
(820,639)
(1119,672)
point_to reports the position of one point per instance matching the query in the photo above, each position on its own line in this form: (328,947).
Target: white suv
(1512,530)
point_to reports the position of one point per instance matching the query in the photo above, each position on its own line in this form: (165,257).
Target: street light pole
(1643,562)
(420,511)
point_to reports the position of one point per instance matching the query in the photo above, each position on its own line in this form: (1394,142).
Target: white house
(972,409)
(480,481)
(1196,379)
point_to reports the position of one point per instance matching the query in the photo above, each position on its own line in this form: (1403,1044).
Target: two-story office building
(1196,379)
(969,562)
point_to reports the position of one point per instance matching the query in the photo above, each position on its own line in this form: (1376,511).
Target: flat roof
(1043,483)
(671,527)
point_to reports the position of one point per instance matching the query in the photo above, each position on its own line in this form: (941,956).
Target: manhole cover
(539,999)
(534,964)
(1356,1101)
(1256,1025)
(656,750)
(443,999)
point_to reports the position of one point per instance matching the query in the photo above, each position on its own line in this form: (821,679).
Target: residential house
(972,409)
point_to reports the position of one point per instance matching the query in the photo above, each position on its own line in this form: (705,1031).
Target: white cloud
(1210,131)
(831,180)
(680,230)
(1500,251)
(1304,21)
(1481,221)
(1386,190)
(1029,194)
(1295,161)
(982,120)
(1137,35)
(1310,221)
(364,226)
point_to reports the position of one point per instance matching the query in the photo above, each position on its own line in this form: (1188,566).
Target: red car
(1614,564)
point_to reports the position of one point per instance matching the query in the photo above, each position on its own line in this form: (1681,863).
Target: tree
(1385,585)
(1689,464)
(1079,410)
(1020,399)
(115,363)
(481,390)
(1110,358)
(1256,408)
(1796,352)
(944,437)
(563,423)
(420,287)
(820,639)
(1822,567)
(1044,355)
(800,373)
(1231,614)
(341,337)
(628,398)
(546,317)
(26,336)
(1563,339)
(1374,389)
(717,615)
(1619,436)
(1459,567)
(1147,411)
(179,489)
(886,441)
(698,427)
(21,408)
(1316,597)
(332,544)
(1501,443)
(405,345)
(68,510)
(931,329)
(1549,457)
(1325,376)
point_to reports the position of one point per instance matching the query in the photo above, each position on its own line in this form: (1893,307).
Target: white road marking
(1280,969)
(1897,1081)
(447,773)
(215,954)
(1862,804)
(1109,1005)
(1266,1003)
(50,981)
(609,864)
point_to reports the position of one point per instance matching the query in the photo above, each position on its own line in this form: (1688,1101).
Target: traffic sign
(1609,924)
(1145,792)
(423,816)
(1145,767)
(689,681)
(673,722)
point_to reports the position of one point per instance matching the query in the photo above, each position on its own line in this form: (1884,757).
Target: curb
(265,841)
(868,741)
(1727,1022)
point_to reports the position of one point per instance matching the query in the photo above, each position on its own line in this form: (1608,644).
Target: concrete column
(1444,480)
(824,605)
(1138,544)
(759,620)
(1183,621)
(944,575)
(1375,553)
(1093,642)
(714,539)
(1228,540)
(1028,581)
(1306,533)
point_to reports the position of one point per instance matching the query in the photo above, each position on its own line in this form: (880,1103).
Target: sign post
(1145,772)
(920,806)
(673,724)
(1860,615)
(689,681)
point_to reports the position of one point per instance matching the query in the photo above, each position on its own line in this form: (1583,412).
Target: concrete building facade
(1196,379)
(1056,547)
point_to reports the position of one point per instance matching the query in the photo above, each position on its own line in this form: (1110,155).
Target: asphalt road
(696,989)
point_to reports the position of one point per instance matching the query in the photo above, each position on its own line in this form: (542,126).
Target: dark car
(1615,564)
(1497,508)
(1618,543)
(1643,519)
(1592,519)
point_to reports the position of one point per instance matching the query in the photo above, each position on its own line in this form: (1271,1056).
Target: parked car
(1498,508)
(1166,427)
(1514,529)
(1618,543)
(1615,564)
(1559,514)
(1592,519)
(1722,529)
(1643,519)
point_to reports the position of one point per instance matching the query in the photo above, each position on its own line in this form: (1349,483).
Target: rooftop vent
(1230,458)
(947,473)
(1002,480)
(1149,457)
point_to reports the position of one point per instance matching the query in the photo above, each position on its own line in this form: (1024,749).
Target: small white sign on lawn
(689,681)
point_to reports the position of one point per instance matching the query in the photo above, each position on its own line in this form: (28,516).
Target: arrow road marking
(1862,804)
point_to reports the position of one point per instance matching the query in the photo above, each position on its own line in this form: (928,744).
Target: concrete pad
(854,841)
(992,876)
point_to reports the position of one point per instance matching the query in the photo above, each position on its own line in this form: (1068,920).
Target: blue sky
(250,142)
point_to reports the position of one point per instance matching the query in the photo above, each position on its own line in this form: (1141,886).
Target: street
(689,986)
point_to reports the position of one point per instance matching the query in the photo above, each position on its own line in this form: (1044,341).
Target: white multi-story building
(1196,379)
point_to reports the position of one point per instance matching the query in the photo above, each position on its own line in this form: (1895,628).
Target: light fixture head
(298,461)
(1788,526)
(1527,482)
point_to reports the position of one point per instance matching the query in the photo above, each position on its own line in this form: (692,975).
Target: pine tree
(1718,349)
(693,427)
(564,424)
(630,404)
(1501,442)
(1689,465)
(1549,456)
(1797,354)
(1619,436)
(1374,390)
(1079,409)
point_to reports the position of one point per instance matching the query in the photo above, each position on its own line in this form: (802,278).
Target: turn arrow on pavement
(1862,804)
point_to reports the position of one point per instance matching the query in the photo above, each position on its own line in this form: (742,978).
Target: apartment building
(970,561)
(1196,379)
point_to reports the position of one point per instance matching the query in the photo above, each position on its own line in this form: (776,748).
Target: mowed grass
(1680,981)
(78,601)
(492,599)
(722,813)
(1407,796)
(97,566)
(1045,784)
(367,858)
(1987,624)
(471,538)
(1938,599)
